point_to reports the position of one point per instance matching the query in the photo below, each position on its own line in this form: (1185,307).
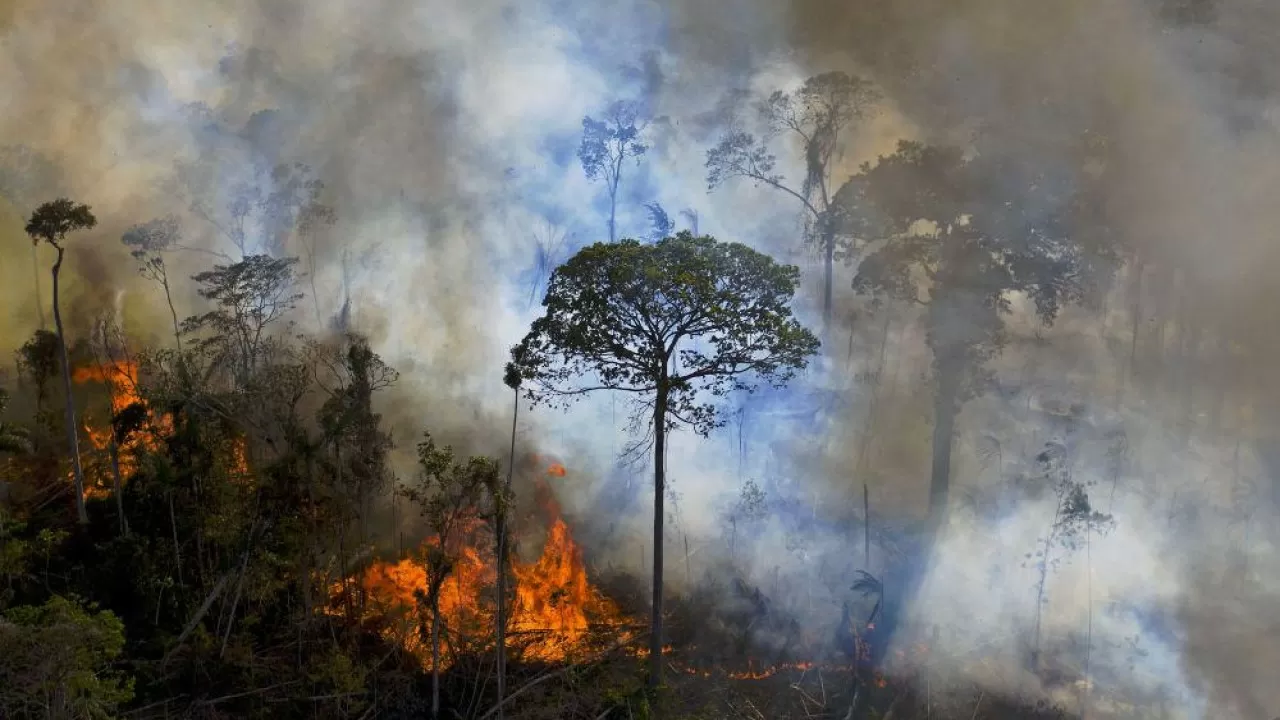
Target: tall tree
(24,175)
(148,243)
(606,145)
(249,296)
(676,324)
(50,223)
(502,498)
(954,238)
(824,107)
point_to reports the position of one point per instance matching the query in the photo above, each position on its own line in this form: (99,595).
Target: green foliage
(945,238)
(607,142)
(751,504)
(688,314)
(248,297)
(52,221)
(450,492)
(56,661)
(149,241)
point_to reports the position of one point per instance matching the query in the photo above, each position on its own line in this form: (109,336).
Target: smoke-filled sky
(446,136)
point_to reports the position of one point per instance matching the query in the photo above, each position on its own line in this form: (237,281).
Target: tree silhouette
(24,175)
(669,323)
(249,296)
(1073,520)
(944,243)
(606,144)
(50,223)
(817,114)
(148,243)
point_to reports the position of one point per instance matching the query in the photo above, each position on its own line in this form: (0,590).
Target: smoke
(446,135)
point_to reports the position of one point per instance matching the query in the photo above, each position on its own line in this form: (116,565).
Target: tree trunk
(659,492)
(613,204)
(173,525)
(944,421)
(118,489)
(1135,315)
(435,654)
(73,436)
(35,269)
(828,271)
(1041,583)
(501,629)
(168,296)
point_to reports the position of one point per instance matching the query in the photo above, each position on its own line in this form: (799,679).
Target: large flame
(121,380)
(554,608)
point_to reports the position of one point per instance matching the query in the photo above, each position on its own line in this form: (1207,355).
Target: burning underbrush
(556,613)
(732,652)
(127,429)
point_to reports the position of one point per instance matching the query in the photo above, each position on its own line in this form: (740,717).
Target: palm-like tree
(51,222)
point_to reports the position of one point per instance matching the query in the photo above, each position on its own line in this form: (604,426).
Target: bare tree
(50,223)
(549,245)
(1074,519)
(606,145)
(817,114)
(149,243)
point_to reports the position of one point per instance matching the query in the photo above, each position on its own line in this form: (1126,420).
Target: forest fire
(554,608)
(121,381)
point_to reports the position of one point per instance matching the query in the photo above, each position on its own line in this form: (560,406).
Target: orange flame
(554,608)
(556,470)
(121,380)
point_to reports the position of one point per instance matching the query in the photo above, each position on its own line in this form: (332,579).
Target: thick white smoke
(446,136)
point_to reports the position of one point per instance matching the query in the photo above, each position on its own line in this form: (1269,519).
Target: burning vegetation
(553,613)
(228,519)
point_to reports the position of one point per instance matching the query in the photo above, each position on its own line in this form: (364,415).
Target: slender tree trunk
(168,297)
(1040,588)
(73,435)
(659,493)
(1041,584)
(864,441)
(35,269)
(501,629)
(828,272)
(866,526)
(613,209)
(173,525)
(944,421)
(1088,638)
(1136,316)
(118,487)
(435,654)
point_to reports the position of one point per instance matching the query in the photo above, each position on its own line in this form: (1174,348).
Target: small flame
(556,470)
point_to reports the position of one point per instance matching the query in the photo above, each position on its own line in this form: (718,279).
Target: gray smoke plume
(445,135)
